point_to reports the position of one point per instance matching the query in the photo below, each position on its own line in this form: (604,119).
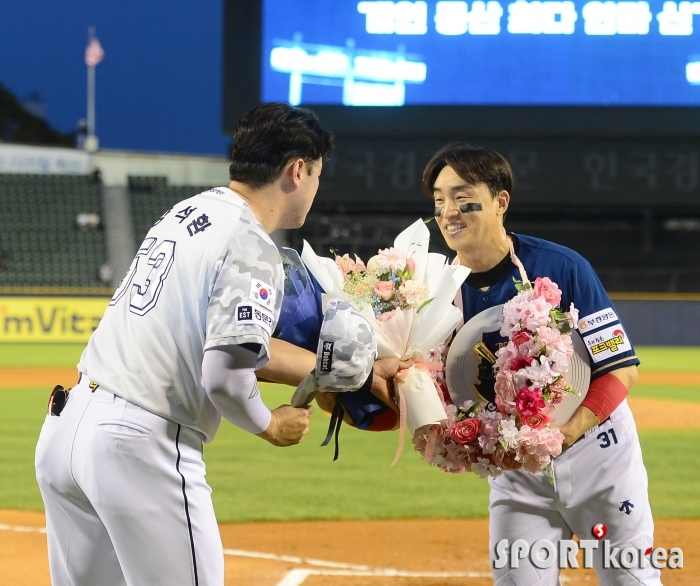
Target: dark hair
(473,164)
(269,136)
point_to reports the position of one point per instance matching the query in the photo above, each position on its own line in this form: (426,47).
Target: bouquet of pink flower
(386,283)
(530,383)
(406,294)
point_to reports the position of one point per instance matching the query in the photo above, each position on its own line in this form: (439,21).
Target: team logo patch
(597,320)
(262,294)
(607,343)
(250,314)
(326,357)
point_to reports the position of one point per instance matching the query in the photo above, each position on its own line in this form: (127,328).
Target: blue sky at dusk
(158,87)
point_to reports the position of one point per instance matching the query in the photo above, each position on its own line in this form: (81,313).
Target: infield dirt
(407,545)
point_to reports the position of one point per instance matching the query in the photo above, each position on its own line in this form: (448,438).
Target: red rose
(465,431)
(536,421)
(521,338)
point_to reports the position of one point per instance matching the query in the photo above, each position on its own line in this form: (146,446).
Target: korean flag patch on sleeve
(262,294)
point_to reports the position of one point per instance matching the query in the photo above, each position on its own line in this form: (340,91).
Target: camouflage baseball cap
(345,356)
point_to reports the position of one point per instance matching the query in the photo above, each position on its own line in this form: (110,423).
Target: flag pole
(91,141)
(91,100)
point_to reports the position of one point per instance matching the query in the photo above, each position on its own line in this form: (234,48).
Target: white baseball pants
(595,481)
(126,498)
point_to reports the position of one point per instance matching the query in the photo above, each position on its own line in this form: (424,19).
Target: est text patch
(250,314)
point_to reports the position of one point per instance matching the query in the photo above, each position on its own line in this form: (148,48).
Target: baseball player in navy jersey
(120,469)
(600,476)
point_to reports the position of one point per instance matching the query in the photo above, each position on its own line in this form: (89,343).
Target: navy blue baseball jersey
(600,327)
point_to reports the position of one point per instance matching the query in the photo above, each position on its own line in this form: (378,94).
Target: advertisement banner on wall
(49,319)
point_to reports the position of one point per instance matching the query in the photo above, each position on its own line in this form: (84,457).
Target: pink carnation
(505,385)
(386,316)
(556,391)
(545,288)
(529,401)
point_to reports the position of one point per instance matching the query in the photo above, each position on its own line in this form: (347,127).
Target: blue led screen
(490,52)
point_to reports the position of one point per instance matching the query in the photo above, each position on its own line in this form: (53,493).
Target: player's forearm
(581,421)
(627,376)
(288,363)
(604,396)
(230,382)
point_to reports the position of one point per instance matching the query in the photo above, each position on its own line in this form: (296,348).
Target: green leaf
(472,409)
(425,304)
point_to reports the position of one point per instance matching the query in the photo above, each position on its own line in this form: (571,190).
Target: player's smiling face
(466,231)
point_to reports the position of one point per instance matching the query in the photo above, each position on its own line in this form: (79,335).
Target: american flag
(94,53)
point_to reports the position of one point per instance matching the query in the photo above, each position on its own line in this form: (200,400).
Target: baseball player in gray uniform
(120,469)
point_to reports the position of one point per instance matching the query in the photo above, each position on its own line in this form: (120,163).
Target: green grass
(667,392)
(669,358)
(672,460)
(40,354)
(23,413)
(255,481)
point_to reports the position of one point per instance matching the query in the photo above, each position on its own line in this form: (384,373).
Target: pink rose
(465,431)
(521,338)
(544,287)
(411,266)
(537,421)
(529,402)
(386,316)
(384,289)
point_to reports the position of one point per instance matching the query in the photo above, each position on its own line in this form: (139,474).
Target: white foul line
(297,560)
(297,577)
(21,529)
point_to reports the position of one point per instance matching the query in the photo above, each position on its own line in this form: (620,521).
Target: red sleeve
(604,396)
